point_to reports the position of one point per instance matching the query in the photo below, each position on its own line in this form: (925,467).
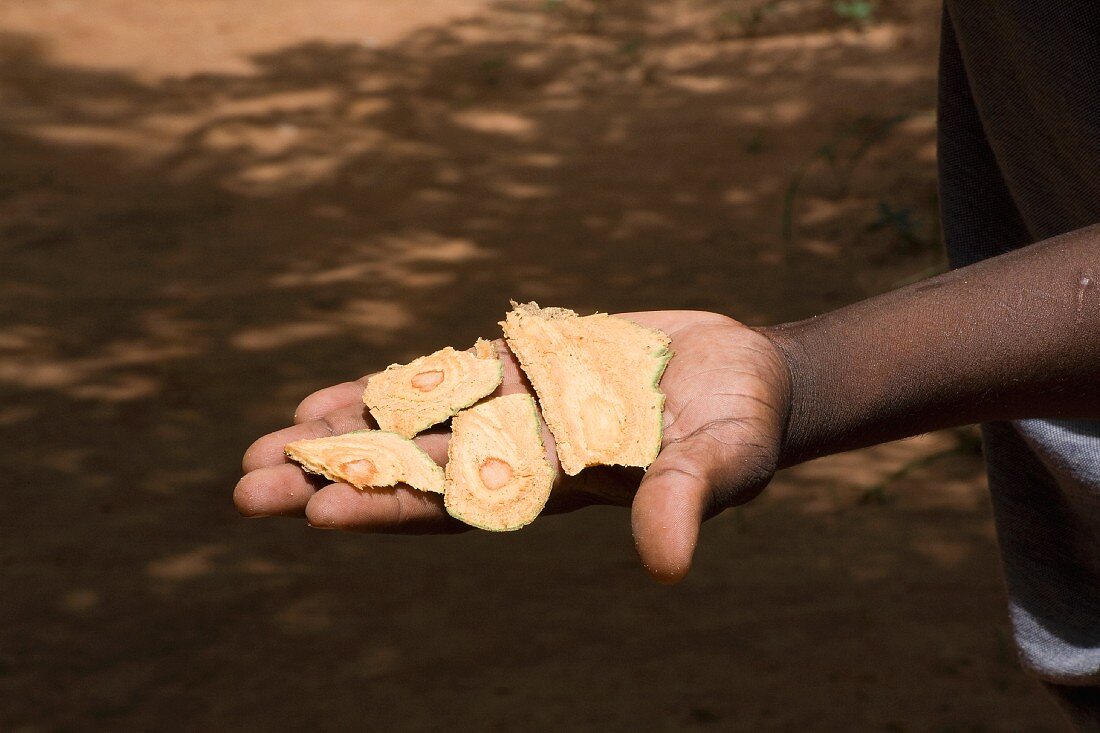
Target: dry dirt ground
(210,208)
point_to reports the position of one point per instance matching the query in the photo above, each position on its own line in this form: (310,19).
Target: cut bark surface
(409,398)
(498,476)
(597,379)
(369,458)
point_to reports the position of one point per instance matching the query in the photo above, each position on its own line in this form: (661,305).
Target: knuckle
(329,425)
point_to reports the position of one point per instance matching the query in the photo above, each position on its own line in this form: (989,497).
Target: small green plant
(901,221)
(968,442)
(492,70)
(750,20)
(755,144)
(859,12)
(865,132)
(632,47)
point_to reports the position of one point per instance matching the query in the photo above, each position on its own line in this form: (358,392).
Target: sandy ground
(209,209)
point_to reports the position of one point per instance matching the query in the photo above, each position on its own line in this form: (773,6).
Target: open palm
(727,394)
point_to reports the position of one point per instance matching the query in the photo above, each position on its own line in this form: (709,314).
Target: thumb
(673,499)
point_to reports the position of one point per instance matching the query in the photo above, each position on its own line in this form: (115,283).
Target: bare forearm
(1012,337)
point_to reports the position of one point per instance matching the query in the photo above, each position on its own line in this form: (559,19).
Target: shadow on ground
(185,259)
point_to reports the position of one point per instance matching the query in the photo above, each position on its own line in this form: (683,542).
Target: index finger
(330,399)
(392,510)
(268,450)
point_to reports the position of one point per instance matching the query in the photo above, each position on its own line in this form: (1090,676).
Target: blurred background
(210,208)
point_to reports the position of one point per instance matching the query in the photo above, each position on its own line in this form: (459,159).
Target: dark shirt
(1019,161)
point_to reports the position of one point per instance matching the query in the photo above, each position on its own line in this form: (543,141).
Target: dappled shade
(186,256)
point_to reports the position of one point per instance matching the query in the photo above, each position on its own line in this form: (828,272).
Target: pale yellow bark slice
(369,458)
(498,477)
(408,398)
(597,382)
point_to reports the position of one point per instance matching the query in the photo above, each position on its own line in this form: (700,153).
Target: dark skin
(1012,337)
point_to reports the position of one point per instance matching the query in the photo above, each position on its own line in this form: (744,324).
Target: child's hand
(727,399)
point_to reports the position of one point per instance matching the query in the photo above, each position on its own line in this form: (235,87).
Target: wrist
(798,428)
